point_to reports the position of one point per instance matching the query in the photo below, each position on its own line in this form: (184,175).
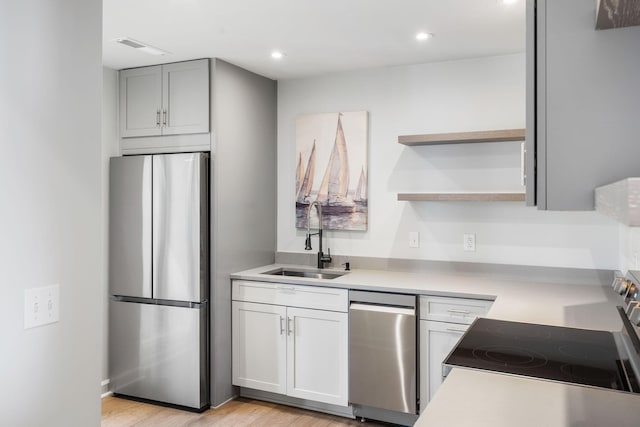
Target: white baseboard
(104,388)
(225,402)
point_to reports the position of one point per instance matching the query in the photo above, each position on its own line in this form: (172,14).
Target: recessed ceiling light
(423,36)
(143,47)
(277,54)
(509,1)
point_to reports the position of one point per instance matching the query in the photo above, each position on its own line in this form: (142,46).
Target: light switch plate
(469,242)
(41,306)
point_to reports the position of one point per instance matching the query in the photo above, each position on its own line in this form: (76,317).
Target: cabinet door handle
(158,117)
(454,311)
(462,331)
(164,117)
(281,325)
(289,326)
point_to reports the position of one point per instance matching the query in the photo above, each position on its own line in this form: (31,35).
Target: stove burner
(585,351)
(590,375)
(517,332)
(570,355)
(510,356)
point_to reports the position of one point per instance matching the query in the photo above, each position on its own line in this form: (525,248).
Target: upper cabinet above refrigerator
(165,105)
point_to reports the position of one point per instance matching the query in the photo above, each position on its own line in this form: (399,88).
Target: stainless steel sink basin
(314,274)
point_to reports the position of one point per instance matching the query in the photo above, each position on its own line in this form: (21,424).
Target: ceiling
(317,37)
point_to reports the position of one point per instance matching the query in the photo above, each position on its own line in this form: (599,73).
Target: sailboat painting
(331,167)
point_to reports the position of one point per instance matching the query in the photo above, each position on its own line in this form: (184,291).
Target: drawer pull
(286,288)
(462,331)
(454,311)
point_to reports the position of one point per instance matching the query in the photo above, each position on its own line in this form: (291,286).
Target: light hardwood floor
(118,412)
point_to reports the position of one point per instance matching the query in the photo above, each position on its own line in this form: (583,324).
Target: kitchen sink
(313,274)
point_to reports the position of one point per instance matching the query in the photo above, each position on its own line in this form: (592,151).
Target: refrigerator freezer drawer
(158,352)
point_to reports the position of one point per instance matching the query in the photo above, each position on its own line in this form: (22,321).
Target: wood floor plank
(117,412)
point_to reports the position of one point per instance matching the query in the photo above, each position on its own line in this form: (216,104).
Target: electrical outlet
(414,239)
(41,306)
(469,242)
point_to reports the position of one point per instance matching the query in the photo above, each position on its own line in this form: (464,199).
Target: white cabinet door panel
(317,355)
(259,344)
(140,101)
(437,339)
(185,97)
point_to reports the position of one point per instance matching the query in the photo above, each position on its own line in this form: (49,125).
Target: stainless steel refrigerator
(159,278)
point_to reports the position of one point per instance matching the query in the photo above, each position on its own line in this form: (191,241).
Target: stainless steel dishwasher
(383,371)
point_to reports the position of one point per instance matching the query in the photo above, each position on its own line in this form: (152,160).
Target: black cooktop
(570,355)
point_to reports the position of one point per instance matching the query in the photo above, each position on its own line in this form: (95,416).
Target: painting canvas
(331,167)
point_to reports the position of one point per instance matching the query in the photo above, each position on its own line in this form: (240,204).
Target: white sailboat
(335,183)
(302,195)
(361,190)
(299,174)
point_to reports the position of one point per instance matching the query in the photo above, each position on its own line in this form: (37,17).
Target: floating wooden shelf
(461,197)
(463,137)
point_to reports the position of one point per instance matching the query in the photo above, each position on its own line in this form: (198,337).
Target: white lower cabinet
(259,346)
(299,352)
(437,339)
(443,320)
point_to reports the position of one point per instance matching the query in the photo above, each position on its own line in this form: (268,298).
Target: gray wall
(243,198)
(51,215)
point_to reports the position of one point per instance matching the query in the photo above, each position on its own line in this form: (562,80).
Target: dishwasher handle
(382,309)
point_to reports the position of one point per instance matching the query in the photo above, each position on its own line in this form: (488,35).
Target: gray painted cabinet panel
(169,99)
(588,102)
(140,101)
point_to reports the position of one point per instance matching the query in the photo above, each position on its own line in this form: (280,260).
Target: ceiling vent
(128,41)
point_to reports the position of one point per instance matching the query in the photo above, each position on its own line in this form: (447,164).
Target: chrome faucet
(322,258)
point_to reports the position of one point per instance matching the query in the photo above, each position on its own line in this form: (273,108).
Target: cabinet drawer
(454,310)
(314,297)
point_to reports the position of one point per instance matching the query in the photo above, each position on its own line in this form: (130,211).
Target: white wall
(475,94)
(51,213)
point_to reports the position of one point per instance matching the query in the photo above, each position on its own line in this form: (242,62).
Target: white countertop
(475,398)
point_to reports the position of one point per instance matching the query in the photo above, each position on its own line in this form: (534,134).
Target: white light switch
(469,242)
(41,306)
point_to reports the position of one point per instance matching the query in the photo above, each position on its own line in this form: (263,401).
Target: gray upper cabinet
(170,99)
(583,101)
(140,101)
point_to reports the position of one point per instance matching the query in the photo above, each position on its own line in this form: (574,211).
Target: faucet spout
(322,258)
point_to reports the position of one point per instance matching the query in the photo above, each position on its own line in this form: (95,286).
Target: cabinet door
(317,355)
(140,101)
(437,339)
(258,345)
(185,97)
